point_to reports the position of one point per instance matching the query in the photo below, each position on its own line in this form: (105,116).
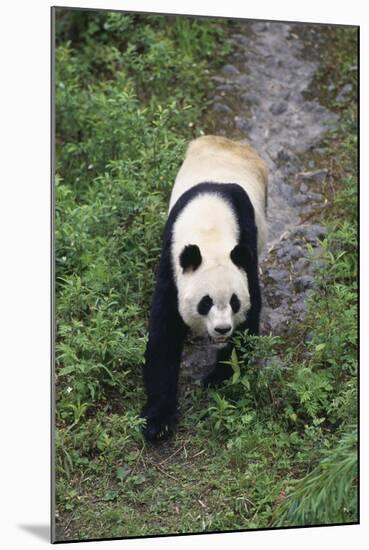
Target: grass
(275,446)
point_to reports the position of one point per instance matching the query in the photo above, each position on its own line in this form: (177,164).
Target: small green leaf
(122,473)
(110,495)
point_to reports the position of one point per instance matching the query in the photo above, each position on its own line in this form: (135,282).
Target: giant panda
(207,279)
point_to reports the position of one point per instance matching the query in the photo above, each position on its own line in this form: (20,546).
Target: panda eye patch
(235,303)
(205,305)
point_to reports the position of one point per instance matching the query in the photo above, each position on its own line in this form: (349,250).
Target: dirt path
(260,98)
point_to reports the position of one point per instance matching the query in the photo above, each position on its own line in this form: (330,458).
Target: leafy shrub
(328,494)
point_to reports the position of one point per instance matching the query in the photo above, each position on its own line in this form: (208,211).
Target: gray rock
(243,123)
(221,108)
(310,232)
(290,252)
(344,93)
(286,190)
(300,199)
(315,175)
(307,209)
(244,82)
(315,197)
(279,276)
(301,265)
(299,306)
(251,98)
(304,282)
(225,88)
(283,155)
(230,70)
(278,108)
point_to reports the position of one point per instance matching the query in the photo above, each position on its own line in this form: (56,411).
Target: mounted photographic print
(205,295)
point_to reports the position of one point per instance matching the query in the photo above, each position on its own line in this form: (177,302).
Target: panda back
(220,160)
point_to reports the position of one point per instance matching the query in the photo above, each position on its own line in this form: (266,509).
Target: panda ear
(190,257)
(241,256)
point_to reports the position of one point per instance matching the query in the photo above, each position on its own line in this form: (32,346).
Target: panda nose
(223,330)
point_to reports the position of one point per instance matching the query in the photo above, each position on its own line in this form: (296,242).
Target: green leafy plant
(328,494)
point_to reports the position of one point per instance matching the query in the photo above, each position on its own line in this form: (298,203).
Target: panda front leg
(161,380)
(163,356)
(222,371)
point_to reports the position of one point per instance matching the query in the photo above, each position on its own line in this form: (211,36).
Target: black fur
(167,330)
(190,257)
(241,256)
(235,303)
(205,305)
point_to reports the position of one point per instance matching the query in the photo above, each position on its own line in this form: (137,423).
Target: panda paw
(158,426)
(217,376)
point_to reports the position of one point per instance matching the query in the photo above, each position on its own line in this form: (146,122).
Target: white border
(25,285)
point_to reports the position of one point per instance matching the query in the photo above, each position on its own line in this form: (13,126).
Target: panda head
(213,296)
